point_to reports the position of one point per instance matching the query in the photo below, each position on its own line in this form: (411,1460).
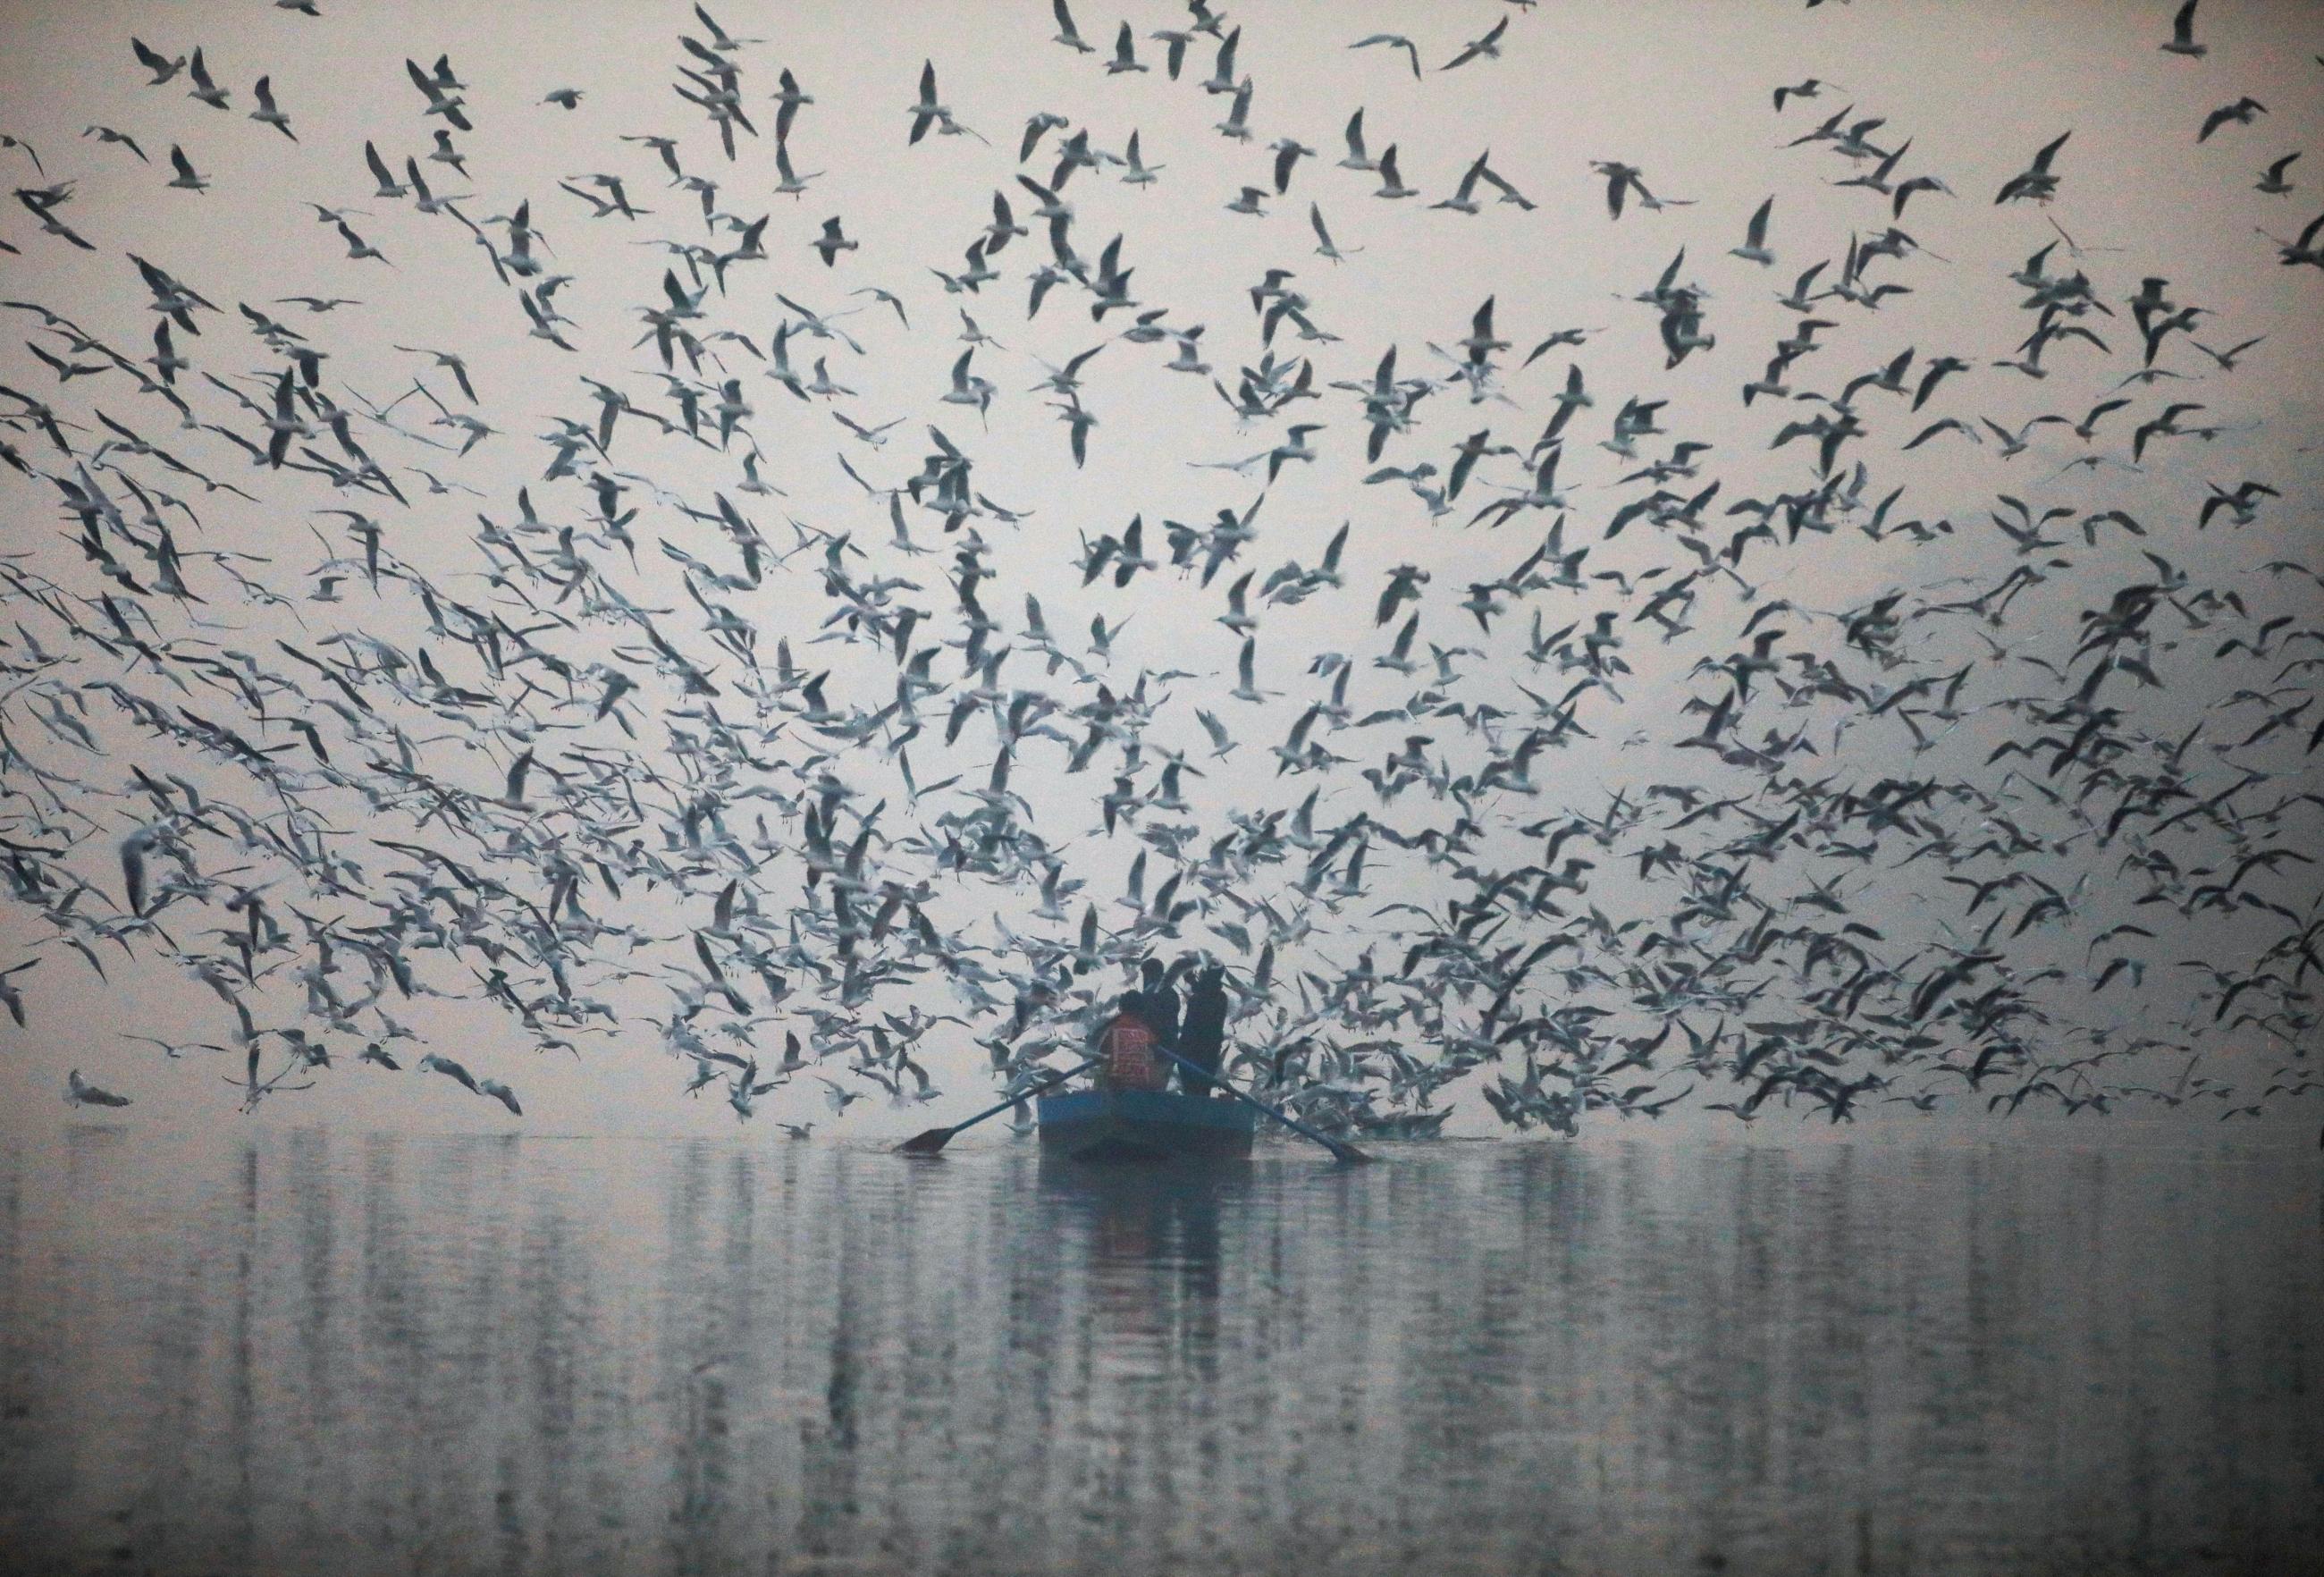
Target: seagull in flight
(2037,180)
(1489,46)
(1395,40)
(2181,41)
(79,1092)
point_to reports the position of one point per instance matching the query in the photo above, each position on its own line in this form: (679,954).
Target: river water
(310,1353)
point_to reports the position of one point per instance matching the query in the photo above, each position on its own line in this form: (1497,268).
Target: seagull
(2036,180)
(1620,179)
(79,1092)
(928,109)
(1125,52)
(1237,125)
(1138,172)
(1394,41)
(1489,46)
(1906,189)
(187,179)
(1325,246)
(266,114)
(439,90)
(107,134)
(968,388)
(204,90)
(1392,184)
(886,298)
(1287,153)
(358,248)
(455,366)
(1463,198)
(720,41)
(1067,34)
(830,242)
(162,70)
(2304,250)
(789,102)
(1222,77)
(10,995)
(450,1070)
(389,187)
(2227,358)
(2182,35)
(2163,425)
(793,183)
(1755,239)
(2242,112)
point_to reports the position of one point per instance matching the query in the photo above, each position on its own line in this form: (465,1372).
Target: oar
(1340,1148)
(936,1138)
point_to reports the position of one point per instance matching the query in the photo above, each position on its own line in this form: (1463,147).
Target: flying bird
(2181,41)
(1489,47)
(2037,181)
(2243,112)
(1394,41)
(79,1092)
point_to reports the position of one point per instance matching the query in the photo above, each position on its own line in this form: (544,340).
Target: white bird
(1394,41)
(2181,41)
(1067,33)
(450,1070)
(79,1092)
(1755,239)
(187,180)
(266,115)
(1125,52)
(1325,247)
(1489,46)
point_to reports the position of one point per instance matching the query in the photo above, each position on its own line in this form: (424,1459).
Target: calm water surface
(303,1352)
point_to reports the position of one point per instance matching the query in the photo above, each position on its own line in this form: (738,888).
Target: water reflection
(311,1353)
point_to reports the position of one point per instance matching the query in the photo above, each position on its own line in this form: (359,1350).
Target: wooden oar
(1343,1151)
(936,1138)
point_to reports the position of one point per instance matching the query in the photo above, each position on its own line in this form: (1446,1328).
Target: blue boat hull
(1143,1125)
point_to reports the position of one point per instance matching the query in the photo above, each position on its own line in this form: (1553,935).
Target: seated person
(1127,1044)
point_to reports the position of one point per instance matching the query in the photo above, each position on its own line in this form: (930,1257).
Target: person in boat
(1202,1035)
(1159,995)
(1128,1042)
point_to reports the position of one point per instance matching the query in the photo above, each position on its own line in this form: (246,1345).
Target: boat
(1143,1125)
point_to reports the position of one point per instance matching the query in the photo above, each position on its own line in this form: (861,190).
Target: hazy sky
(1681,92)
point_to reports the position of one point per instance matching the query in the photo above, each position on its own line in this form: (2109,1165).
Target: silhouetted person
(1159,999)
(1202,1035)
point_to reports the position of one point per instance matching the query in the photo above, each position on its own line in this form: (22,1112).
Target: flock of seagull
(644,749)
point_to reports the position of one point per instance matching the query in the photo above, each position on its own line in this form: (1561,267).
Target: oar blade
(929,1143)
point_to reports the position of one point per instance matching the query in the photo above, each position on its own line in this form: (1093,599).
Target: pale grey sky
(1681,92)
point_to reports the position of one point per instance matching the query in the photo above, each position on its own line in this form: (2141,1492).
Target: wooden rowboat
(1143,1125)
